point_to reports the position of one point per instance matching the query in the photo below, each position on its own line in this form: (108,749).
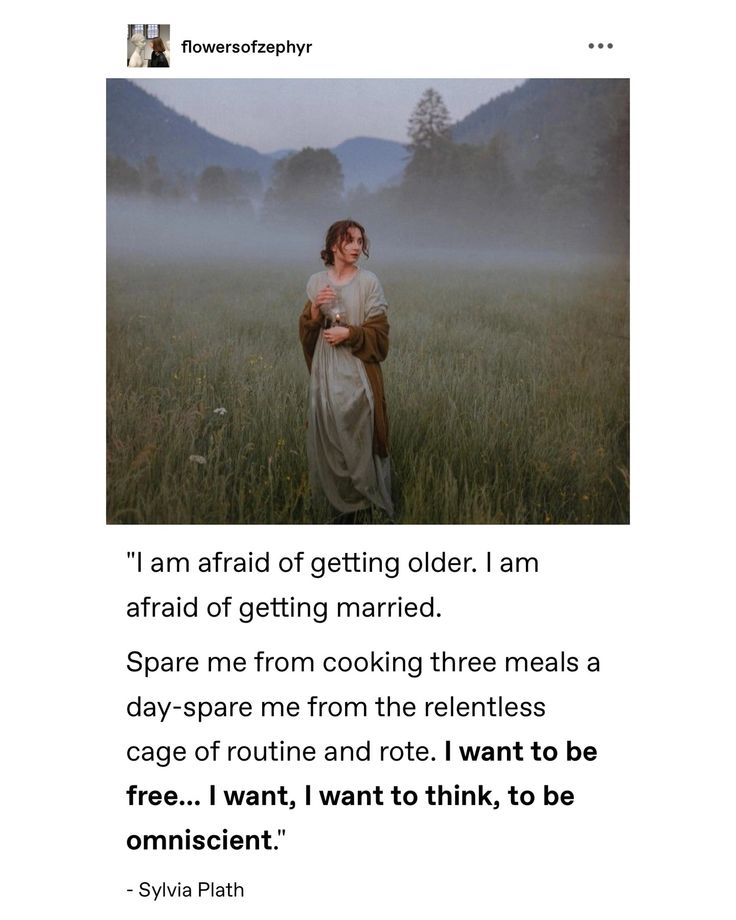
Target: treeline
(214,185)
(468,191)
(476,191)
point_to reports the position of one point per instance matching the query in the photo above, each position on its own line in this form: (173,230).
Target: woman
(344,333)
(159,57)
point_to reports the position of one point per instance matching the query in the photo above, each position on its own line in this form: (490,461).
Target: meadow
(507,394)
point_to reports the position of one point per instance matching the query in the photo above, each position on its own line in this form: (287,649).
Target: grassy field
(507,393)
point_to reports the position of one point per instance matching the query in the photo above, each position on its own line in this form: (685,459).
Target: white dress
(342,465)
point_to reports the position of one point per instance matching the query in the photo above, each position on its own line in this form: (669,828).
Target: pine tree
(429,122)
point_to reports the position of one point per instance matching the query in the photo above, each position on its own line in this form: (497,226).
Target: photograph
(366,301)
(149,45)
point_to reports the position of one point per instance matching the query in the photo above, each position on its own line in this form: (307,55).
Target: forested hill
(140,126)
(564,119)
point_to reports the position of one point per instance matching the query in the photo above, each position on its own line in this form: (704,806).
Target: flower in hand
(324,296)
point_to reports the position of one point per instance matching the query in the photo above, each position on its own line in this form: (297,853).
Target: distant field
(507,393)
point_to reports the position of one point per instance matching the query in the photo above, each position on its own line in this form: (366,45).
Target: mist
(502,245)
(150,232)
(538,175)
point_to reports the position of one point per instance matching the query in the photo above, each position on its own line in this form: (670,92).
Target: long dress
(347,465)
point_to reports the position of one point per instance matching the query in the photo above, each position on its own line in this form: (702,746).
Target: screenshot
(448,278)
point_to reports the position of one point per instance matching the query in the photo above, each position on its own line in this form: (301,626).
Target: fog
(153,231)
(538,176)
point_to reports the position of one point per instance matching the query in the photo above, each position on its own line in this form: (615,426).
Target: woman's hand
(324,295)
(336,335)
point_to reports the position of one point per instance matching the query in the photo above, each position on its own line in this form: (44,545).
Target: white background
(649,834)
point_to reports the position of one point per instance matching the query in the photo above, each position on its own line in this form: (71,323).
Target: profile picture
(148,45)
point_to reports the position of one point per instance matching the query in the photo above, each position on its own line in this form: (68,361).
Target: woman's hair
(158,45)
(339,233)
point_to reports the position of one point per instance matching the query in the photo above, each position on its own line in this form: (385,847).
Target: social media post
(387,303)
(349,279)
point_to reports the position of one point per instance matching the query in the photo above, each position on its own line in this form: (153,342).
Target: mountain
(370,161)
(139,126)
(564,119)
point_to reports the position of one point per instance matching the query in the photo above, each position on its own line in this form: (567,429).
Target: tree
(612,173)
(309,179)
(610,184)
(213,185)
(122,178)
(429,122)
(433,155)
(153,181)
(547,175)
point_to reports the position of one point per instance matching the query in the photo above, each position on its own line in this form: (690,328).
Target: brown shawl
(368,342)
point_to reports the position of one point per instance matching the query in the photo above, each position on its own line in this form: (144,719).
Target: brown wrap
(368,342)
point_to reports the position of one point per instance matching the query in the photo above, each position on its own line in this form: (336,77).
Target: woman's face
(350,249)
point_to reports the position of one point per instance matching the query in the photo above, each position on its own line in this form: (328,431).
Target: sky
(273,114)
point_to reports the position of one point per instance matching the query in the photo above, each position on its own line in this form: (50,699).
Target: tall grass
(507,392)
